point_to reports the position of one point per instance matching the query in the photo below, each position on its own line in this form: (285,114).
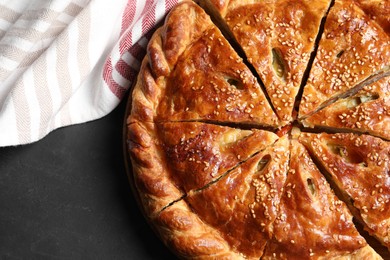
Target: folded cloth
(65,62)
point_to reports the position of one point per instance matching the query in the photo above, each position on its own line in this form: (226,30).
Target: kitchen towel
(65,62)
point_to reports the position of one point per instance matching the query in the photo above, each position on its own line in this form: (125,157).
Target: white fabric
(65,62)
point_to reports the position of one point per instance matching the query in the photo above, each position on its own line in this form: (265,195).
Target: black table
(67,197)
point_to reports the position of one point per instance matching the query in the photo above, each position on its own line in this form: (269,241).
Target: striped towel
(65,62)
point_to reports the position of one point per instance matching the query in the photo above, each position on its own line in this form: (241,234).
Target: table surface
(68,197)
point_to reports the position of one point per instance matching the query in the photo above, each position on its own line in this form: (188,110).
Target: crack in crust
(174,211)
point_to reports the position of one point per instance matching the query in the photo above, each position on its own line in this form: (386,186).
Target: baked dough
(200,153)
(278,38)
(192,73)
(368,111)
(171,159)
(209,172)
(312,221)
(359,166)
(352,49)
(244,203)
(378,10)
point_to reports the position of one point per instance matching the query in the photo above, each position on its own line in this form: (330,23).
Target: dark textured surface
(67,197)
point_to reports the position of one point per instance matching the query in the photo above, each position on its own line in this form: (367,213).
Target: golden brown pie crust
(377,10)
(353,48)
(359,166)
(215,186)
(278,38)
(192,73)
(244,204)
(312,222)
(368,111)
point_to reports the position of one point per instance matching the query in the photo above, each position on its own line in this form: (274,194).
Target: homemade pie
(267,140)
(278,38)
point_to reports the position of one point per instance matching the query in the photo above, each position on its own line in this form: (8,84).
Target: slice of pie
(359,167)
(170,159)
(278,38)
(243,204)
(192,73)
(199,153)
(377,10)
(352,49)
(368,111)
(312,222)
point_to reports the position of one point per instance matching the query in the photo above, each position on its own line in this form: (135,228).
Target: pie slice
(312,221)
(377,10)
(278,38)
(200,153)
(359,167)
(368,111)
(170,159)
(352,49)
(243,204)
(192,73)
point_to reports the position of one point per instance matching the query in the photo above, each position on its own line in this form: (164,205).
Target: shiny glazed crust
(212,191)
(165,159)
(368,111)
(179,228)
(200,153)
(239,205)
(359,167)
(150,176)
(312,221)
(189,237)
(192,73)
(342,60)
(285,34)
(378,10)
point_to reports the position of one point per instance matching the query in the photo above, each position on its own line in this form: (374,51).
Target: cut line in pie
(210,176)
(183,78)
(368,111)
(188,156)
(312,222)
(353,50)
(359,167)
(239,204)
(278,38)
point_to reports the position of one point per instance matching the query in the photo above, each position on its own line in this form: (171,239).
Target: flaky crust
(368,111)
(209,190)
(200,153)
(313,222)
(171,159)
(150,176)
(244,215)
(352,49)
(189,237)
(285,34)
(192,73)
(378,10)
(359,167)
(157,192)
(182,27)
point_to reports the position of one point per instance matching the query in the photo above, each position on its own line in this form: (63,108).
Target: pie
(353,50)
(377,10)
(278,37)
(364,179)
(367,111)
(259,133)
